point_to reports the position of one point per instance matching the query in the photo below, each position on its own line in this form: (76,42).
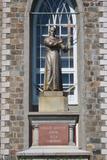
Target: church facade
(23,26)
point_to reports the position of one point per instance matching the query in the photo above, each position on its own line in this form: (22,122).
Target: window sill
(74,108)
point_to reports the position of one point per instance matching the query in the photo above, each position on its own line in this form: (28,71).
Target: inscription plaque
(53,134)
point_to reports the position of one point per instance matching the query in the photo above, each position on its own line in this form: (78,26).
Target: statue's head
(52,30)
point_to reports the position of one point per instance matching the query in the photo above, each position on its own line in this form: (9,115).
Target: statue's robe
(53,76)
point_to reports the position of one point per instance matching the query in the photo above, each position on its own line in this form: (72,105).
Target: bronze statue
(53,76)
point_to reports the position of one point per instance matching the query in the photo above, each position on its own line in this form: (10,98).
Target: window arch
(43,15)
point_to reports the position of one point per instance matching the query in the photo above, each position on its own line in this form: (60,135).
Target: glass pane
(44,30)
(67,62)
(43,19)
(64,63)
(71,76)
(64,19)
(50,21)
(57,19)
(42,79)
(38,41)
(43,52)
(38,30)
(38,63)
(42,61)
(64,30)
(38,79)
(65,78)
(68,78)
(71,63)
(38,52)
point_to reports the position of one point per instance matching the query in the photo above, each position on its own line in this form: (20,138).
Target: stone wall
(12,78)
(17,75)
(0,64)
(92,76)
(12,116)
(5,84)
(103,73)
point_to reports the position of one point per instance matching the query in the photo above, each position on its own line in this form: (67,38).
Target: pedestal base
(60,142)
(54,152)
(53,101)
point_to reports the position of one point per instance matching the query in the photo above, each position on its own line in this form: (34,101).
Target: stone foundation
(54,152)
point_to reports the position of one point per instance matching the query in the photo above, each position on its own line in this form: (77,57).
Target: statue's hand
(60,41)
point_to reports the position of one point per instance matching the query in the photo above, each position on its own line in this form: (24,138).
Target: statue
(53,76)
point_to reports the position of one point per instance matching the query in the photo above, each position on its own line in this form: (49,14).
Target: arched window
(43,15)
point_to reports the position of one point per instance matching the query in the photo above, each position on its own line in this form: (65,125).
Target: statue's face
(52,31)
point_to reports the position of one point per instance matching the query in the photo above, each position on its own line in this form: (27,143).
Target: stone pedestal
(53,130)
(53,101)
(53,138)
